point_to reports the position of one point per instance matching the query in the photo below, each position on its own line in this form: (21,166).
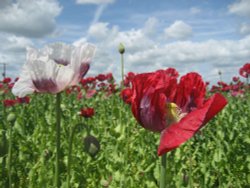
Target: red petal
(153,111)
(179,133)
(218,103)
(191,92)
(150,94)
(138,83)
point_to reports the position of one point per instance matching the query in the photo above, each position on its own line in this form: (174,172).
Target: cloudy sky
(206,36)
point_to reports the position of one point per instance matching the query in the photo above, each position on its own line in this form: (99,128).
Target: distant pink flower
(90,93)
(79,95)
(109,77)
(236,78)
(53,68)
(237,93)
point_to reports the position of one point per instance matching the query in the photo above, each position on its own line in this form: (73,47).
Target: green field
(218,156)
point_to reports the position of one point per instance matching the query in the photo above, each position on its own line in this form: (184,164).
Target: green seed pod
(11,117)
(91,145)
(121,48)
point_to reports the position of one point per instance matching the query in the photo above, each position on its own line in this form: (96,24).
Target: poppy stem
(122,70)
(72,132)
(4,141)
(163,171)
(10,155)
(58,134)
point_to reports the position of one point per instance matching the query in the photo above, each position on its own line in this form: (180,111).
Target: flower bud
(121,48)
(11,117)
(91,145)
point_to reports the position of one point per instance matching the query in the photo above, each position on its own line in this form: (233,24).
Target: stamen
(174,113)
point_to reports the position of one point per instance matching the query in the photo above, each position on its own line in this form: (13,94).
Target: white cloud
(13,52)
(150,26)
(98,30)
(94,1)
(178,30)
(98,13)
(240,7)
(29,18)
(245,29)
(4,3)
(145,53)
(195,10)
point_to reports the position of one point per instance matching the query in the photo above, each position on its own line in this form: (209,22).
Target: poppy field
(104,141)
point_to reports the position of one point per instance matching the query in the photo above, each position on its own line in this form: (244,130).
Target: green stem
(163,171)
(70,155)
(4,141)
(58,134)
(10,156)
(190,172)
(122,70)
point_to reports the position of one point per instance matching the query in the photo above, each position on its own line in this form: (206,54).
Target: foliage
(218,156)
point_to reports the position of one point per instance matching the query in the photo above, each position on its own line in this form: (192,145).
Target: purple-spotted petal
(80,61)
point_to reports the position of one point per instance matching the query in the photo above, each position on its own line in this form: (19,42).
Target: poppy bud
(91,145)
(121,48)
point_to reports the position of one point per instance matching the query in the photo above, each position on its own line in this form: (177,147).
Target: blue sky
(206,36)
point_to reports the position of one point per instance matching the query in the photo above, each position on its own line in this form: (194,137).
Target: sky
(205,36)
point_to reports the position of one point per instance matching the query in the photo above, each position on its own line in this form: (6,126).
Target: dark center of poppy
(61,62)
(45,85)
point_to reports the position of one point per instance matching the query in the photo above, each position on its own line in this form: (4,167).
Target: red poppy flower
(23,100)
(9,102)
(176,110)
(109,77)
(101,77)
(172,72)
(245,70)
(7,80)
(236,79)
(87,112)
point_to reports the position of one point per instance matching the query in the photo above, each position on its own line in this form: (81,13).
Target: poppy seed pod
(11,117)
(91,145)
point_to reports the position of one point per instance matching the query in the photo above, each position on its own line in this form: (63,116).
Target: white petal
(59,51)
(63,77)
(81,55)
(24,85)
(34,55)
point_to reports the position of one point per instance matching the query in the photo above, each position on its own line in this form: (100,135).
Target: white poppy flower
(53,68)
